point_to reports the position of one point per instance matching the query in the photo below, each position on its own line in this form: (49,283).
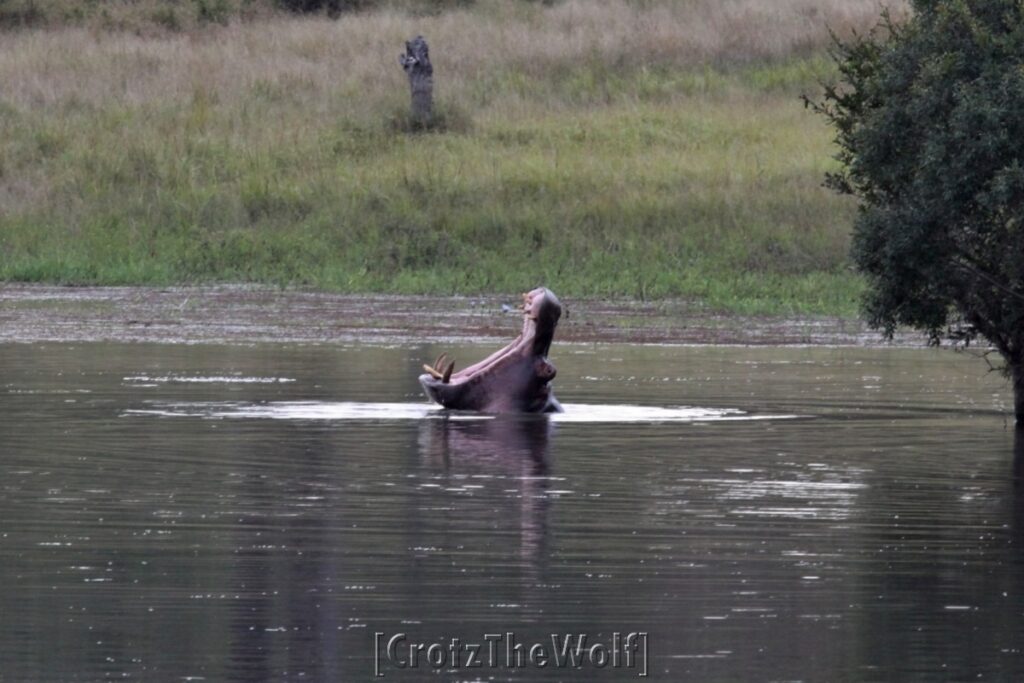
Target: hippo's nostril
(544,370)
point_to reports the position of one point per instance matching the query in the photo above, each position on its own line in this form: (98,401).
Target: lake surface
(243,513)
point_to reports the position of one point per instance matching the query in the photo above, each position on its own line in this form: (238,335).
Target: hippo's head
(515,379)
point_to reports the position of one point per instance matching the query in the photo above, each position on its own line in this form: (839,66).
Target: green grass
(599,180)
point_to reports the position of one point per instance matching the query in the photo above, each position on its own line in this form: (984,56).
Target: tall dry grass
(337,65)
(654,148)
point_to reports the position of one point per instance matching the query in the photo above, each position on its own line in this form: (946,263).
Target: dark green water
(172,512)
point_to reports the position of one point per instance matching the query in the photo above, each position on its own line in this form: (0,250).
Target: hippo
(514,379)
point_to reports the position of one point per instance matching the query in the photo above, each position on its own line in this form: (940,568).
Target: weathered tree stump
(416,62)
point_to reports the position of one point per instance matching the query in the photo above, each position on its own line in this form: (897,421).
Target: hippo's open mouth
(516,378)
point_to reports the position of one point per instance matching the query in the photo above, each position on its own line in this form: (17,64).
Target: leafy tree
(929,119)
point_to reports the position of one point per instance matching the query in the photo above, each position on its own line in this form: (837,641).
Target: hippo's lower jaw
(515,379)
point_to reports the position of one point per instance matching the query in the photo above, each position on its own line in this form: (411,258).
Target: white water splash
(309,410)
(218,379)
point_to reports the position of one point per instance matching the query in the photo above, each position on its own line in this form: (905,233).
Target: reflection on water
(230,513)
(1018,455)
(511,446)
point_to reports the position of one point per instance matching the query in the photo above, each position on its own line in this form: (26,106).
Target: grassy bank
(650,149)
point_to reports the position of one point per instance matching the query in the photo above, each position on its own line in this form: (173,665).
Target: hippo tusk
(439,363)
(448,372)
(433,373)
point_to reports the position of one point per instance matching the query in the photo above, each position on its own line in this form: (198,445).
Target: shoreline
(250,314)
